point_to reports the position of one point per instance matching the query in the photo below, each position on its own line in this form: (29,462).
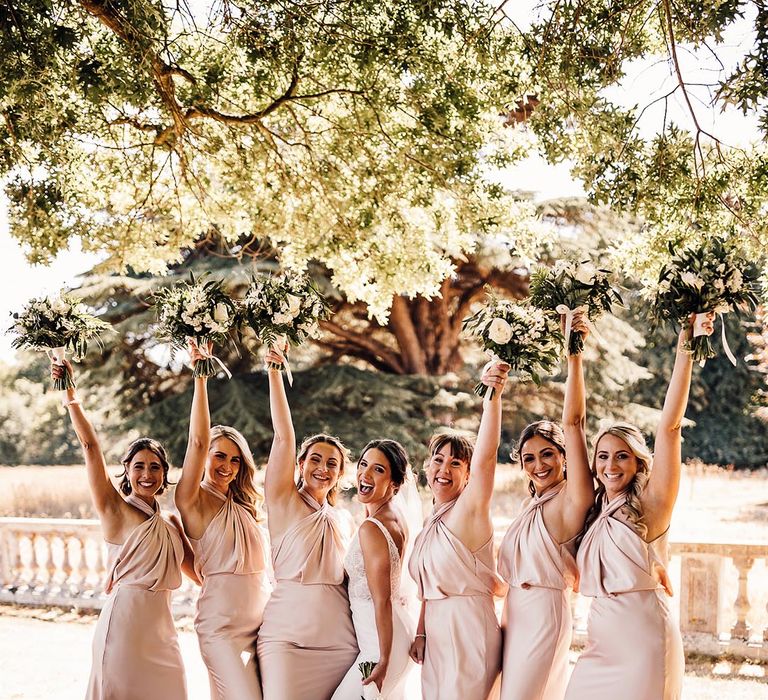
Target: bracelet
(72,402)
(421,635)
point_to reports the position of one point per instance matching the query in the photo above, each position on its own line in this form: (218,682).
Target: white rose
(691,280)
(59,306)
(281,319)
(585,273)
(221,313)
(294,305)
(719,285)
(500,332)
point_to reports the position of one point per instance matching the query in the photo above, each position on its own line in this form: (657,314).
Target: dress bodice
(354,565)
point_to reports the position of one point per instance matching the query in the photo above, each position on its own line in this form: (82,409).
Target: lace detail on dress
(355,567)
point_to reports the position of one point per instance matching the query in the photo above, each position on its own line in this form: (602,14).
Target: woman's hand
(706,324)
(495,375)
(377,675)
(580,322)
(195,352)
(416,651)
(275,357)
(58,369)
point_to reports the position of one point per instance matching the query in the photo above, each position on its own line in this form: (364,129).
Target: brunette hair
(243,489)
(144,443)
(328,440)
(396,456)
(546,429)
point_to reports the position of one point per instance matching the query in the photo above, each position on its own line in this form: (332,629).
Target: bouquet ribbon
(698,330)
(56,354)
(208,355)
(281,341)
(563,310)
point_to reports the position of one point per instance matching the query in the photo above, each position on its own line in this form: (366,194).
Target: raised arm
(580,490)
(661,492)
(106,498)
(478,492)
(278,480)
(379,576)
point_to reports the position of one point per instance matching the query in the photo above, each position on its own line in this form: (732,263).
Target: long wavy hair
(244,490)
(328,440)
(634,439)
(144,443)
(547,430)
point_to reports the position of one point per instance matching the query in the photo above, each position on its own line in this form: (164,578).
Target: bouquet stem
(700,348)
(481,390)
(65,381)
(204,368)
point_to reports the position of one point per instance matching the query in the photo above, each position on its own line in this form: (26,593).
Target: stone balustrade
(61,562)
(45,561)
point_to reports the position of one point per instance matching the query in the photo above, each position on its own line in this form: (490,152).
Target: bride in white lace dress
(384,625)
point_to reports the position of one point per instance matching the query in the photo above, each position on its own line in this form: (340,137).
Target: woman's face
(224,463)
(447,475)
(321,469)
(615,464)
(374,477)
(145,474)
(543,463)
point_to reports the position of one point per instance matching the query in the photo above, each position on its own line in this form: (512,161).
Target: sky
(20,281)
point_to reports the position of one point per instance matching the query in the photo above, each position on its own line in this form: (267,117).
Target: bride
(383,624)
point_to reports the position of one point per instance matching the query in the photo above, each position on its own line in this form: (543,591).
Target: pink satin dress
(135,650)
(307,642)
(462,658)
(230,562)
(537,612)
(633,643)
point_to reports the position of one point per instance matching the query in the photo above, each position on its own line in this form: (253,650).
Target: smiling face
(615,464)
(321,469)
(223,465)
(374,477)
(145,474)
(447,475)
(542,462)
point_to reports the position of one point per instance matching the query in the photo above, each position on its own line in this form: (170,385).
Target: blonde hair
(328,440)
(634,439)
(243,489)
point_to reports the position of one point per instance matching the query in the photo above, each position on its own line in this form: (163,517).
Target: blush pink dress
(307,642)
(462,658)
(135,650)
(230,562)
(632,641)
(537,612)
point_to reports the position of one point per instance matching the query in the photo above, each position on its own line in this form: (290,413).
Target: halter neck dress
(307,642)
(135,649)
(537,612)
(230,562)
(633,643)
(462,657)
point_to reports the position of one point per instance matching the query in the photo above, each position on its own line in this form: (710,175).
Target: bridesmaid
(458,635)
(135,650)
(219,507)
(307,641)
(382,622)
(632,640)
(536,556)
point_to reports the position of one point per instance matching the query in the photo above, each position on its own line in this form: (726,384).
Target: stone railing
(47,561)
(63,563)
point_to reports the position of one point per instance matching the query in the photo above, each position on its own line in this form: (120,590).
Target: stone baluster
(54,567)
(67,569)
(741,629)
(16,563)
(40,556)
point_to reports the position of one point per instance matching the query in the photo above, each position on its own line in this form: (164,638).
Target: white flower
(723,308)
(282,319)
(500,332)
(736,281)
(585,273)
(60,306)
(691,280)
(719,285)
(221,313)
(294,305)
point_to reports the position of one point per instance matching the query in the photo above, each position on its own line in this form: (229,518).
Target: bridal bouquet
(56,325)
(569,286)
(526,338)
(283,309)
(370,691)
(713,277)
(197,310)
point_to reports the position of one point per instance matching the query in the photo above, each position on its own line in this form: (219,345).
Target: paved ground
(49,660)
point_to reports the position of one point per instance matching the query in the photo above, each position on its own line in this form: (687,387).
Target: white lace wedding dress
(364,619)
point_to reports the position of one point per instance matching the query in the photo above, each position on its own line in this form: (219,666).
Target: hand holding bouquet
(524,337)
(370,681)
(283,310)
(569,286)
(57,325)
(712,278)
(197,310)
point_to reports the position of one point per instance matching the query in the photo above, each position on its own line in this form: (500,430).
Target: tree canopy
(362,134)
